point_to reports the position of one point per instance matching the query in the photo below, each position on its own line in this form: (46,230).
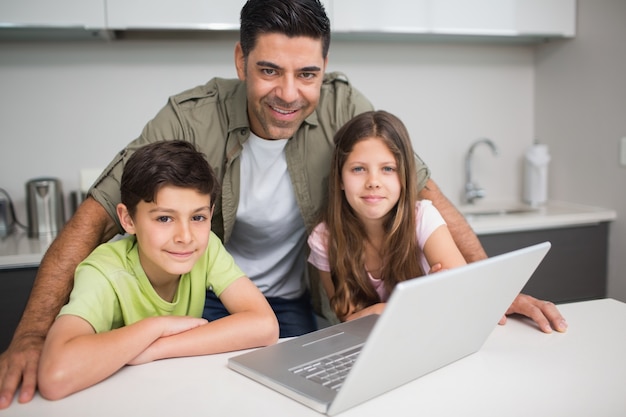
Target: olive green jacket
(214,117)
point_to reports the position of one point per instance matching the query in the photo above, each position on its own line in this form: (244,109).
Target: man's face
(283,79)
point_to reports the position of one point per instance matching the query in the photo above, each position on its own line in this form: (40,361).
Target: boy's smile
(172,232)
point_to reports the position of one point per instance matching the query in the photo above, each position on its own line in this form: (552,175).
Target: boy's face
(172,232)
(283,79)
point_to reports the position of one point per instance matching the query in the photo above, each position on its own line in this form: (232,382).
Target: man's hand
(544,313)
(18,364)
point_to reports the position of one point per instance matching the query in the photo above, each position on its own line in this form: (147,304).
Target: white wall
(581,112)
(71,105)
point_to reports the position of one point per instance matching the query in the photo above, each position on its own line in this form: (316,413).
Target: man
(268,136)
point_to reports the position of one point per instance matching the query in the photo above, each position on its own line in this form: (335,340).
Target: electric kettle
(44,203)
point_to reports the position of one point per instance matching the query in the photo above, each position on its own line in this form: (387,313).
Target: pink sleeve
(428,219)
(319,248)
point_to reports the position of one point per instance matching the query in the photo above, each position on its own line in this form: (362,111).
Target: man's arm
(463,235)
(544,313)
(90,226)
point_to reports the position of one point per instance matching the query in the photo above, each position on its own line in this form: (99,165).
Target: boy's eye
(199,218)
(163,219)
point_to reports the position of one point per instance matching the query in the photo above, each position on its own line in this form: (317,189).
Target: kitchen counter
(19,251)
(554,214)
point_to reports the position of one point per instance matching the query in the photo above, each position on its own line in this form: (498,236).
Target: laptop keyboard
(331,370)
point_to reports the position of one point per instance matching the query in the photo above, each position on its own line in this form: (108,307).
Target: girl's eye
(357,169)
(389,169)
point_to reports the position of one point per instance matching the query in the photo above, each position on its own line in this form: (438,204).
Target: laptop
(428,323)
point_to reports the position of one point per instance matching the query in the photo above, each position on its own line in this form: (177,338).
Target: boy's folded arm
(75,357)
(251,323)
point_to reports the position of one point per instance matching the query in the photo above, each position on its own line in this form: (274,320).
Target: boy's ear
(125,220)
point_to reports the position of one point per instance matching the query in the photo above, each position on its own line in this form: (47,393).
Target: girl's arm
(74,357)
(441,249)
(465,238)
(251,323)
(329,287)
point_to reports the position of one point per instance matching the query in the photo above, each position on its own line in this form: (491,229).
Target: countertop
(555,214)
(20,251)
(519,372)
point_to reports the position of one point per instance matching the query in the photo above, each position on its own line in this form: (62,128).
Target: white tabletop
(518,372)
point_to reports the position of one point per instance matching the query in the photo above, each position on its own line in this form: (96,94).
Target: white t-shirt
(269,238)
(428,219)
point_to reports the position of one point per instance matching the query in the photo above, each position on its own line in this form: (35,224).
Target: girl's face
(370,179)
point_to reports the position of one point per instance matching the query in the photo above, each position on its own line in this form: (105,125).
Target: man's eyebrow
(267,64)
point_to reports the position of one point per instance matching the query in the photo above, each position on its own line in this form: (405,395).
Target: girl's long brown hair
(346,234)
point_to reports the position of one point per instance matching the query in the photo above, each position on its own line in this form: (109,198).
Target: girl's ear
(125,219)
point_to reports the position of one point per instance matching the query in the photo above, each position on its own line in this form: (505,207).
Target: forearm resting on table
(463,235)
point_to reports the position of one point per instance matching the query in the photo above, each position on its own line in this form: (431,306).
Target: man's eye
(268,71)
(308,75)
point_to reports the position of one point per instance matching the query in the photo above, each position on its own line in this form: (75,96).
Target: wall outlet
(622,152)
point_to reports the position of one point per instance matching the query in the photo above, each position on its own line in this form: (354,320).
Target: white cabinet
(395,16)
(89,14)
(457,17)
(174,14)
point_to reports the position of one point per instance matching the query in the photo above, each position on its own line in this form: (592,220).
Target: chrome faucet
(472,190)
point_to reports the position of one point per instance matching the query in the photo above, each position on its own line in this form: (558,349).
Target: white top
(428,219)
(269,238)
(519,372)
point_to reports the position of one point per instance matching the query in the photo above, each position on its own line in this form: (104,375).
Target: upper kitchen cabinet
(501,18)
(174,14)
(374,16)
(84,14)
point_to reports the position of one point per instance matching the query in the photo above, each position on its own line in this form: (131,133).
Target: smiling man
(269,137)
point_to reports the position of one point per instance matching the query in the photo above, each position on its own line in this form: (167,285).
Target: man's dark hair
(158,164)
(289,17)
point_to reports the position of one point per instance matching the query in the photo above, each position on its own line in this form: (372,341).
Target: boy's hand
(170,326)
(178,324)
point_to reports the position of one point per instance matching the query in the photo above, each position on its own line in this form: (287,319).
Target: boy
(141,298)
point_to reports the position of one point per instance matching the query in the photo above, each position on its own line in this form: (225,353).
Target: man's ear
(240,62)
(125,220)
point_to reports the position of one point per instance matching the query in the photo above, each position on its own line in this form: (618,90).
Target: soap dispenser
(536,161)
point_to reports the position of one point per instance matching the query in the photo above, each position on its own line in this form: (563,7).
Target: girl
(374,232)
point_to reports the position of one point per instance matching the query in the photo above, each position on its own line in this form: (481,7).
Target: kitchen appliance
(44,203)
(6,217)
(537,159)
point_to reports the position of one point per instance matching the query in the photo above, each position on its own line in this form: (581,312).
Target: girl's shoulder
(320,232)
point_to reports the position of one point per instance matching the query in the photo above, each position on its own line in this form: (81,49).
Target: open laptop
(428,323)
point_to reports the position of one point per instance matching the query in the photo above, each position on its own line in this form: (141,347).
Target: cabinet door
(174,14)
(393,16)
(574,269)
(475,17)
(52,13)
(553,17)
(456,17)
